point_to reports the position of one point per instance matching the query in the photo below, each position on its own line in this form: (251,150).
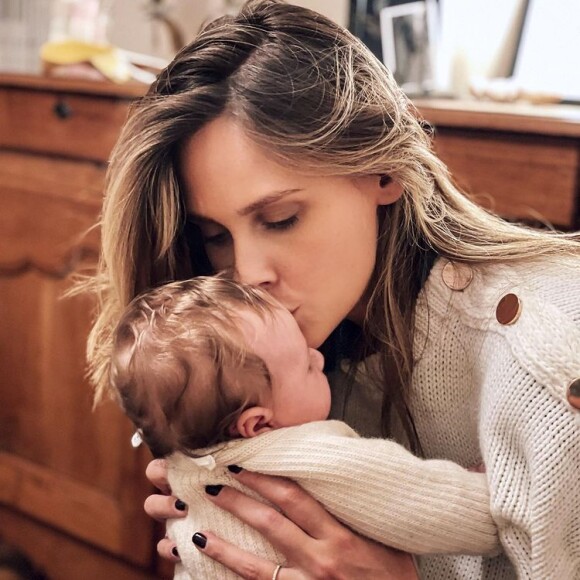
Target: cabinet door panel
(63,557)
(62,464)
(48,213)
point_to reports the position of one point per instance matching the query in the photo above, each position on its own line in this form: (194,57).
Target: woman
(277,147)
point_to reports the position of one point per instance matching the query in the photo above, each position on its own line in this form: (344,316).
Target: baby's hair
(180,366)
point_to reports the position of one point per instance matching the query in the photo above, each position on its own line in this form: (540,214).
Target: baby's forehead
(274,336)
(254,325)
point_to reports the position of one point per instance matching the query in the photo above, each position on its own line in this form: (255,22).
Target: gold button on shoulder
(509,309)
(573,394)
(457,276)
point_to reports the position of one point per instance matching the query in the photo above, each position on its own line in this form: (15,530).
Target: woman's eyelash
(282,224)
(223,238)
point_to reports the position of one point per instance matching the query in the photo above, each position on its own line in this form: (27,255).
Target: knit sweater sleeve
(382,491)
(530,433)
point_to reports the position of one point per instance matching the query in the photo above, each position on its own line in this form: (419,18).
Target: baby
(215,373)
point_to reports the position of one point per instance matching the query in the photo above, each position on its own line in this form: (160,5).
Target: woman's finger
(298,505)
(168,550)
(282,533)
(243,563)
(156,473)
(164,507)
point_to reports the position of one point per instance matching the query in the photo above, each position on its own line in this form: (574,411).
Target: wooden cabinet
(71,486)
(520,161)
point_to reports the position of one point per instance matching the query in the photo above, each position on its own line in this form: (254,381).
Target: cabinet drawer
(72,125)
(523,177)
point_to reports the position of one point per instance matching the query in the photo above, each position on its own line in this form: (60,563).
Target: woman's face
(309,241)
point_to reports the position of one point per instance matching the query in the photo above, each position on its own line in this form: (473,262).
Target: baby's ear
(252,422)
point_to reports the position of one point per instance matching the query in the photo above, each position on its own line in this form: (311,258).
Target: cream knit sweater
(375,486)
(483,391)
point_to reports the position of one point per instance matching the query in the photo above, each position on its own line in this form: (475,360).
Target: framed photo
(409,40)
(364,22)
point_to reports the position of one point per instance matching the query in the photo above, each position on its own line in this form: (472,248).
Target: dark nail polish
(180,505)
(175,552)
(234,468)
(199,540)
(213,489)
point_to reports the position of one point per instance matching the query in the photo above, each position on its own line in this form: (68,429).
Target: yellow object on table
(107,59)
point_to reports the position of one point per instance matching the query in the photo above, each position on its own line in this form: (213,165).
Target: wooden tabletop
(521,117)
(70,85)
(557,119)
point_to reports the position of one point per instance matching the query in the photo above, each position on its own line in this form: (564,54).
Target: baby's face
(300,390)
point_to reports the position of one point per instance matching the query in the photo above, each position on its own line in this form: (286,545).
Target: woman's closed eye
(280,216)
(284,224)
(223,237)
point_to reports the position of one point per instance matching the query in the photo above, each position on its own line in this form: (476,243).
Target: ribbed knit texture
(375,486)
(483,392)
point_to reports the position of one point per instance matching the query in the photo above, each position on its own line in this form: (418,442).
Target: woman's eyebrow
(254,206)
(266,200)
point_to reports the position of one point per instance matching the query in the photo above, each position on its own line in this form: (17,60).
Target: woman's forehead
(220,160)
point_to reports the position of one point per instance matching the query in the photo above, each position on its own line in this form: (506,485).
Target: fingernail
(199,539)
(180,505)
(213,489)
(175,552)
(234,468)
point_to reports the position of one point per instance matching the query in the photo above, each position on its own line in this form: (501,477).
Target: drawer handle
(62,110)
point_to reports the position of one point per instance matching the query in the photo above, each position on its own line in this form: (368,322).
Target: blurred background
(497,80)
(468,41)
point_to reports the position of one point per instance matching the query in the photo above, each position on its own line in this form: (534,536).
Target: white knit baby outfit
(375,486)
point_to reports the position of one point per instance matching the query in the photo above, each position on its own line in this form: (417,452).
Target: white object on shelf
(84,20)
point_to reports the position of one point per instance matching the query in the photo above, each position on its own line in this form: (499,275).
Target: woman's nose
(253,266)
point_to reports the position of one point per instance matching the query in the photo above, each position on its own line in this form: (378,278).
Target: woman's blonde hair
(181,367)
(313,96)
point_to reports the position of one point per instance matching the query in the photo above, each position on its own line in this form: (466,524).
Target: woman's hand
(163,507)
(315,544)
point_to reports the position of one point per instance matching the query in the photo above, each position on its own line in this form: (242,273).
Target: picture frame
(364,23)
(409,34)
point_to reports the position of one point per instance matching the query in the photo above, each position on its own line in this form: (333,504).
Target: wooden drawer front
(78,126)
(523,177)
